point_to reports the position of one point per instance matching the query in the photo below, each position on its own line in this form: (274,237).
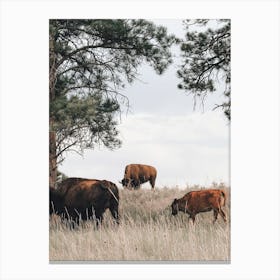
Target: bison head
(175,207)
(128,183)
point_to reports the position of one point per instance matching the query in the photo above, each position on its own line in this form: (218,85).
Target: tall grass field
(147,232)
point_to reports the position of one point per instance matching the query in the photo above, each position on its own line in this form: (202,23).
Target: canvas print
(139,121)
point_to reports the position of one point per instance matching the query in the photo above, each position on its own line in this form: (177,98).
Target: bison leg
(222,213)
(215,215)
(98,217)
(98,220)
(115,213)
(152,182)
(192,216)
(130,184)
(136,184)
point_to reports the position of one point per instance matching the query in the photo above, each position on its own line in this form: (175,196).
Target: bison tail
(223,196)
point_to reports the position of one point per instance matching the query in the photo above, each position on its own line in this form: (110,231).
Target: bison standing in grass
(201,201)
(78,199)
(137,174)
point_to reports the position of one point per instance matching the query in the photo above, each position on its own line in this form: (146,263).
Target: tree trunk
(52,159)
(52,133)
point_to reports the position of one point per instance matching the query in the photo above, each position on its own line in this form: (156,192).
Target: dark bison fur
(77,199)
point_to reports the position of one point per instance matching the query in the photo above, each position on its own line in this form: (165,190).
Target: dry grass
(147,232)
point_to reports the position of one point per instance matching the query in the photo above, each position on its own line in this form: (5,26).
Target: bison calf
(78,199)
(201,201)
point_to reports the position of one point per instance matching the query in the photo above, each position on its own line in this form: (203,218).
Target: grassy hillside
(147,232)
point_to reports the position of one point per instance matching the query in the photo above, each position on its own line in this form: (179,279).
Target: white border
(254,145)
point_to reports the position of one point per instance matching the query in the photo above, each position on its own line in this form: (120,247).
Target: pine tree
(206,60)
(89,62)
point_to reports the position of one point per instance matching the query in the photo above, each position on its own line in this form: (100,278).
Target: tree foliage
(206,60)
(89,62)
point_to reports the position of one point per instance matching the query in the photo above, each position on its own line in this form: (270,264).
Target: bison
(78,199)
(137,174)
(195,202)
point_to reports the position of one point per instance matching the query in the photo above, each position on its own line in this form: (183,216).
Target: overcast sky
(163,130)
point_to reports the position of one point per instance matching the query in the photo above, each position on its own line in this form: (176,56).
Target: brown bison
(137,174)
(201,201)
(78,199)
